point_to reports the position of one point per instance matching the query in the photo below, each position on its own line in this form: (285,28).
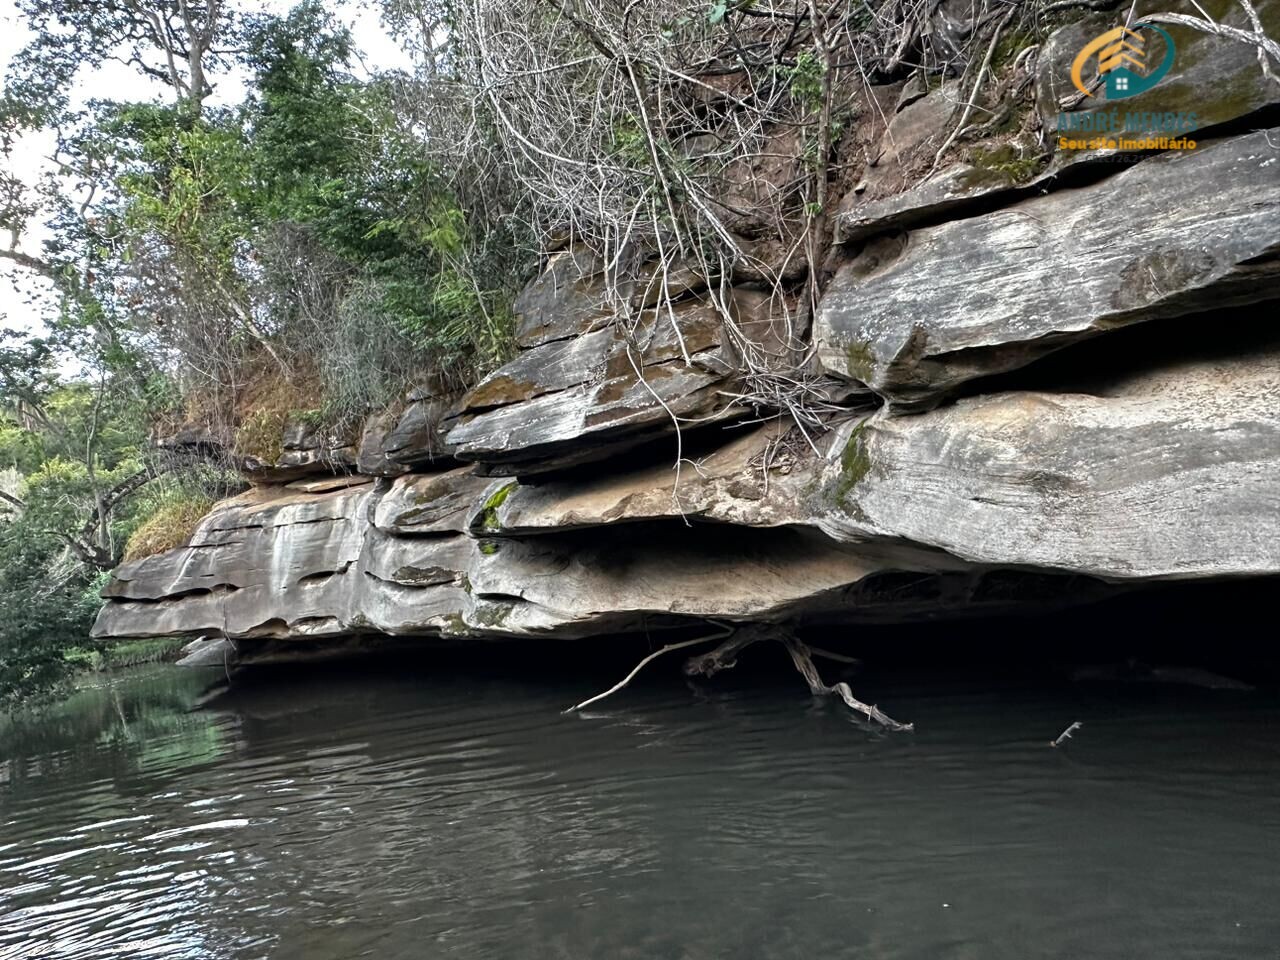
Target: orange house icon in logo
(1121,54)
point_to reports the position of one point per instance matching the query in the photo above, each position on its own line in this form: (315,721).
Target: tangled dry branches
(669,137)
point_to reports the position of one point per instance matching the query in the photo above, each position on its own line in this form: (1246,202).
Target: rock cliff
(1040,384)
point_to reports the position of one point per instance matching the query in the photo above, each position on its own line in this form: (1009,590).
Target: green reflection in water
(134,721)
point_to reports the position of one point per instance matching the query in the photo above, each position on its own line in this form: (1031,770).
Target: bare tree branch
(640,666)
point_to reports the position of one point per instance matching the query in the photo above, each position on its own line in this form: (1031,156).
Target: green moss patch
(1003,165)
(489,521)
(860,362)
(855,464)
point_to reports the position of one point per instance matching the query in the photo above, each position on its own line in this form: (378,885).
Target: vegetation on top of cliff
(170,525)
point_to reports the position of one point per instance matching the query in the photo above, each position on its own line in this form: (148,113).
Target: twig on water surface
(1066,734)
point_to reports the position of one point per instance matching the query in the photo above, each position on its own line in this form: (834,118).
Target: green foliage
(192,245)
(1004,164)
(39,628)
(315,168)
(629,143)
(804,79)
(21,450)
(260,435)
(42,615)
(134,653)
(489,521)
(855,463)
(68,447)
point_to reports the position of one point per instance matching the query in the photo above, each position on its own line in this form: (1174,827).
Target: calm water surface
(357,814)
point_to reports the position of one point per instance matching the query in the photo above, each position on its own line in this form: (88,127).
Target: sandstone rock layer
(1046,390)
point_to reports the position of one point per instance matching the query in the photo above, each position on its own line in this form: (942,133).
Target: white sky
(377,49)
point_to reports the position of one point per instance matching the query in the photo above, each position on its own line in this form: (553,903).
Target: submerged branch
(802,658)
(723,657)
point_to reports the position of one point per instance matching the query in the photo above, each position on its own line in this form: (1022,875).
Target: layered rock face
(1043,388)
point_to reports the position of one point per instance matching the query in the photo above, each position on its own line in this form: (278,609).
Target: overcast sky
(119,81)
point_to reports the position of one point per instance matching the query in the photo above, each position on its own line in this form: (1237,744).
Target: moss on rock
(855,464)
(489,521)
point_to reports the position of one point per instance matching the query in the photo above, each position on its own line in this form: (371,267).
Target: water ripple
(397,817)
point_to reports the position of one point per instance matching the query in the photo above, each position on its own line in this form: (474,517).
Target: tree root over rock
(724,657)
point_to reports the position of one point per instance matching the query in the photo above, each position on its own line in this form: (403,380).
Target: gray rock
(417,438)
(306,451)
(728,485)
(949,193)
(276,564)
(577,400)
(328,484)
(275,567)
(567,299)
(1166,474)
(432,503)
(572,295)
(916,318)
(649,575)
(995,503)
(1216,78)
(208,652)
(372,457)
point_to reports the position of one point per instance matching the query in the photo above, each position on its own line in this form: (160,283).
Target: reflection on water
(348,815)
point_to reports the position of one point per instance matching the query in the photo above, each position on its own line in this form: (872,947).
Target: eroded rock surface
(1215,85)
(947,304)
(1172,472)
(962,470)
(986,505)
(1216,78)
(274,566)
(574,400)
(753,478)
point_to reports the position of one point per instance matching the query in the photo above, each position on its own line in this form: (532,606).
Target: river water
(396,813)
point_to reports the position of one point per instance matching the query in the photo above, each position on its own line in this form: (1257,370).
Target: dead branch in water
(802,657)
(832,655)
(1066,734)
(723,657)
(639,666)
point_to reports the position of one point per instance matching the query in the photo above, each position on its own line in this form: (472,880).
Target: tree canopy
(199,245)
